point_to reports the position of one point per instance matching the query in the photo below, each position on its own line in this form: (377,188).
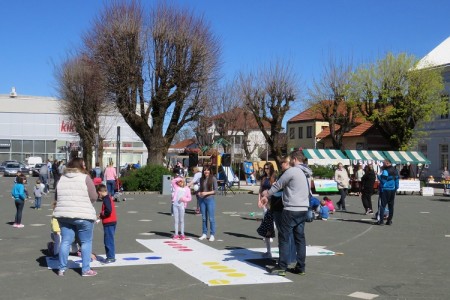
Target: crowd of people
(285,200)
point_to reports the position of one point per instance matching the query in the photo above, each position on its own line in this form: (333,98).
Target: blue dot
(153,257)
(131,258)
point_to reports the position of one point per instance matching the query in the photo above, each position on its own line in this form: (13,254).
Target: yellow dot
(227,270)
(237,275)
(218,267)
(218,281)
(210,263)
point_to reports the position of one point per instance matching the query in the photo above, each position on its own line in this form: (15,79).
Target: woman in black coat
(367,182)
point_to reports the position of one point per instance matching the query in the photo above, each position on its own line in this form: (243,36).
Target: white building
(33,126)
(436,143)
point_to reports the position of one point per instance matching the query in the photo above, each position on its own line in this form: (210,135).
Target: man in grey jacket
(296,202)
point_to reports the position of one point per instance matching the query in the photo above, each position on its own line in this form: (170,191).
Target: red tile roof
(358,130)
(183,144)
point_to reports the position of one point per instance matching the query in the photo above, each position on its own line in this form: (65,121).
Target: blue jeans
(292,257)
(292,222)
(110,185)
(84,230)
(341,202)
(108,240)
(207,208)
(387,198)
(37,202)
(19,208)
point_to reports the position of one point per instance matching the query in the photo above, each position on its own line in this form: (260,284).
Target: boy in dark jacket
(109,220)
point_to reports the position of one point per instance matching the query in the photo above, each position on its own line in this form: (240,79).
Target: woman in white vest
(75,194)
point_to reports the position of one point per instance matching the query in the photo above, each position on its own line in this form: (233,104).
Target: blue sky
(36,35)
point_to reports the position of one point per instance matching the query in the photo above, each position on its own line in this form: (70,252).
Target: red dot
(185,250)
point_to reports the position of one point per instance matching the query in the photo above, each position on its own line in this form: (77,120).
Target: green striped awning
(402,157)
(325,156)
(365,155)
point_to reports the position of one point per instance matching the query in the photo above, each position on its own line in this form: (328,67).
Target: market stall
(324,157)
(408,157)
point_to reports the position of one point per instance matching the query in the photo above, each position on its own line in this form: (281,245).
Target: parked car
(35,170)
(3,164)
(12,168)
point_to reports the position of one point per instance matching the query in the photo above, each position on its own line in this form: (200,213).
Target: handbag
(266,228)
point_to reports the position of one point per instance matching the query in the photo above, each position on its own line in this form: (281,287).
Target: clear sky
(37,34)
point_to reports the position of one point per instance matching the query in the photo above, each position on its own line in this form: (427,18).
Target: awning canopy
(365,155)
(403,157)
(325,157)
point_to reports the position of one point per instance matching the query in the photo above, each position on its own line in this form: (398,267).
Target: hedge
(147,178)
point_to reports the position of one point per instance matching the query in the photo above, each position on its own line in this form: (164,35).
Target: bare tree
(82,99)
(157,68)
(330,98)
(268,94)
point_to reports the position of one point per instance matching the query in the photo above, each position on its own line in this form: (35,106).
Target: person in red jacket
(109,220)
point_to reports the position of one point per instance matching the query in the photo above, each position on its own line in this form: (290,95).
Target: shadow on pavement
(240,235)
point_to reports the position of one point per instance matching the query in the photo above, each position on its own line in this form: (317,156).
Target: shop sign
(66,126)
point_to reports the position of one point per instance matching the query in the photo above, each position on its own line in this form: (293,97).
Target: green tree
(397,97)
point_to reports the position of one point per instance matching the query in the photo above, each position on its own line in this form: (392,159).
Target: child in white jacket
(181,195)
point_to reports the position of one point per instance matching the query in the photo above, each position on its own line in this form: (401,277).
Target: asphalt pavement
(407,260)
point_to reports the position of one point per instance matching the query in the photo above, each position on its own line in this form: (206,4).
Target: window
(292,133)
(446,114)
(443,154)
(309,132)
(300,132)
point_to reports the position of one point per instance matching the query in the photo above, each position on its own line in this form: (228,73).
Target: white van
(33,160)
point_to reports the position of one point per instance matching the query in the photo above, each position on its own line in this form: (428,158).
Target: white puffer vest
(72,197)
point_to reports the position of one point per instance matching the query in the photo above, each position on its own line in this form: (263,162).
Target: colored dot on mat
(180,247)
(153,257)
(227,270)
(218,267)
(185,250)
(131,258)
(218,281)
(237,275)
(210,263)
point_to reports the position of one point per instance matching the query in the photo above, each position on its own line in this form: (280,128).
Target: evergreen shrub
(147,178)
(322,171)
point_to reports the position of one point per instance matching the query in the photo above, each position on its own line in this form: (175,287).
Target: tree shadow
(367,222)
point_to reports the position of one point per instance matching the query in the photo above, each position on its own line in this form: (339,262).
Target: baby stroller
(118,191)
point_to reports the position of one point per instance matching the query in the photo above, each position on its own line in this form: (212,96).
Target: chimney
(13,93)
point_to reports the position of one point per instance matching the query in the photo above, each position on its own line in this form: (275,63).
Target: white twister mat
(211,266)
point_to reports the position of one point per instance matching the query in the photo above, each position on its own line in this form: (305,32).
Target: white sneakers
(203,237)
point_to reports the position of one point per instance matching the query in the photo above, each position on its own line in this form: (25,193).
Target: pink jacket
(175,188)
(110,173)
(330,205)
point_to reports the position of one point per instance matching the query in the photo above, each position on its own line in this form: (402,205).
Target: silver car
(12,168)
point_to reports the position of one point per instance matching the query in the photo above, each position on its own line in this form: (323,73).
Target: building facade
(33,126)
(435,143)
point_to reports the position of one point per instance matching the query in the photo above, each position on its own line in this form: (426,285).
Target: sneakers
(89,273)
(381,223)
(211,238)
(110,260)
(267,255)
(297,270)
(61,272)
(278,271)
(15,225)
(388,222)
(324,219)
(176,237)
(19,226)
(182,237)
(202,237)
(197,211)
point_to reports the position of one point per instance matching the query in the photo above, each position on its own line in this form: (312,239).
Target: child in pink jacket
(330,204)
(181,195)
